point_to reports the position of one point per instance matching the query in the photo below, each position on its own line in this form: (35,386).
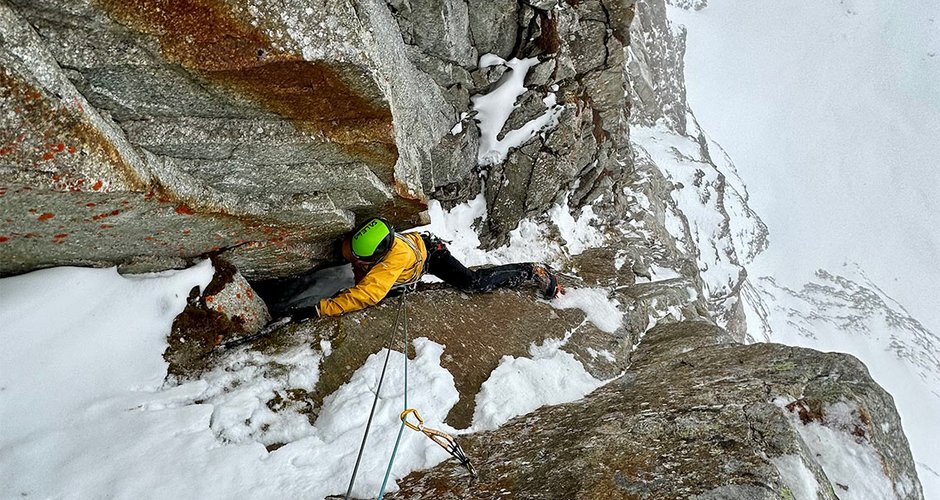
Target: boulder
(228,309)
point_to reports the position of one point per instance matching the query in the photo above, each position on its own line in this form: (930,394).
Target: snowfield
(86,413)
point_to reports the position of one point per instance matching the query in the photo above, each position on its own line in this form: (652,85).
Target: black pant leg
(504,276)
(444,265)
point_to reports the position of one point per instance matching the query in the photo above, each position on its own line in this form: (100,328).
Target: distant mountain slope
(847,312)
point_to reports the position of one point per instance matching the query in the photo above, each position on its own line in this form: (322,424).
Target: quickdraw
(443,439)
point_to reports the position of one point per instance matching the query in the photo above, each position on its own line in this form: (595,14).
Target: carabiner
(404,419)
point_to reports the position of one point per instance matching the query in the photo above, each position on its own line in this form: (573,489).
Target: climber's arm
(369,291)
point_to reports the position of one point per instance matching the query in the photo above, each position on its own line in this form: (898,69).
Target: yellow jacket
(403,264)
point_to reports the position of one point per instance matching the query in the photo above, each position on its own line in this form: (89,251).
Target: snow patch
(493,110)
(579,234)
(521,385)
(796,476)
(851,464)
(529,242)
(600,310)
(85,412)
(241,388)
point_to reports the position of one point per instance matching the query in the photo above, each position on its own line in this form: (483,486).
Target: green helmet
(373,239)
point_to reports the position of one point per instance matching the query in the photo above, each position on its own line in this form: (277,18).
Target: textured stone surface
(148,134)
(693,417)
(656,85)
(478,330)
(227,309)
(200,128)
(236,299)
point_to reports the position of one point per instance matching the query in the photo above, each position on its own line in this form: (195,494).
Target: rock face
(705,202)
(696,416)
(149,134)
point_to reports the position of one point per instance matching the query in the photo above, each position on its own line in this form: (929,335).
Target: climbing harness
(442,439)
(423,263)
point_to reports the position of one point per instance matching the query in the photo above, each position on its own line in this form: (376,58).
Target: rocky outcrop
(696,416)
(478,331)
(258,131)
(145,135)
(228,309)
(706,203)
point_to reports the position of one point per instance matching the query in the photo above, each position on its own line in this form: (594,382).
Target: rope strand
(401,428)
(375,401)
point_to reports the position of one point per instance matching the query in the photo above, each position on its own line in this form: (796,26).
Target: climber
(383,259)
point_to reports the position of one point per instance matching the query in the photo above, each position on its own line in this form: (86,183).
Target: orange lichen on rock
(42,119)
(44,217)
(210,39)
(183,209)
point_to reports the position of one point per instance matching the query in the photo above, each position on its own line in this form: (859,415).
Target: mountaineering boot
(546,282)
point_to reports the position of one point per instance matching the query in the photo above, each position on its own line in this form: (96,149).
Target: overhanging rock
(146,135)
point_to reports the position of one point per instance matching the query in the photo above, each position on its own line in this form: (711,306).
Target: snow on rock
(252,395)
(494,108)
(604,312)
(708,217)
(680,160)
(837,439)
(530,242)
(331,454)
(796,476)
(86,412)
(521,385)
(579,234)
(847,312)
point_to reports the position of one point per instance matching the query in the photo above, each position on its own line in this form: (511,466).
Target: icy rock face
(149,134)
(846,312)
(706,209)
(697,416)
(568,120)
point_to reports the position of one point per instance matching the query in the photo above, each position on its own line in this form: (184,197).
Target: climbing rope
(391,459)
(388,352)
(442,439)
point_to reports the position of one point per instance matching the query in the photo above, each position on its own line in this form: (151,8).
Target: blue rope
(391,460)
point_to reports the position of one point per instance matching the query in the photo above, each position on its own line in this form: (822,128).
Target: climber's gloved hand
(300,314)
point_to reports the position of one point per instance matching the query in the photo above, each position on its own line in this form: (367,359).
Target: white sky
(831,112)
